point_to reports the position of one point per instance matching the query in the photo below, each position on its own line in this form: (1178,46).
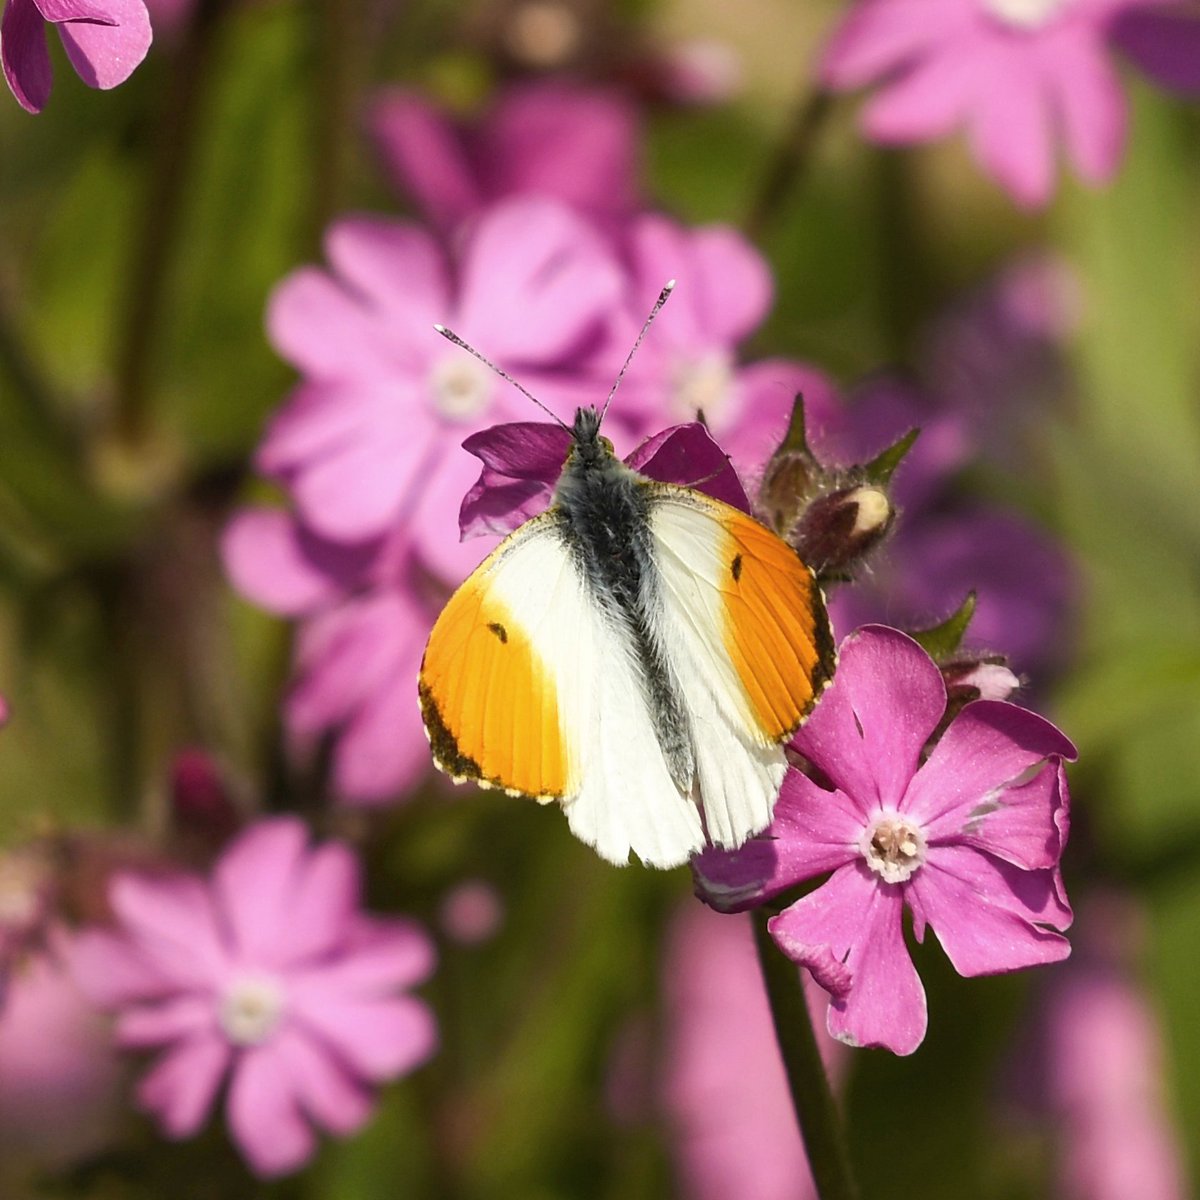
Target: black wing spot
(735,568)
(499,631)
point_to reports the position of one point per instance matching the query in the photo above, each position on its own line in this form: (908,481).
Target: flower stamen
(251,1009)
(894,847)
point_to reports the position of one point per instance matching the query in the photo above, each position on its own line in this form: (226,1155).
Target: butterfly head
(588,448)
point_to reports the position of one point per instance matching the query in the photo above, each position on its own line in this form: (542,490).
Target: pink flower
(104,39)
(269,973)
(363,625)
(61,1077)
(968,839)
(688,365)
(1016,75)
(546,138)
(724,1088)
(1164,41)
(368,442)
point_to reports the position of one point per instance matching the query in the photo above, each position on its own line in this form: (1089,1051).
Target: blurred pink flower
(1114,1133)
(104,39)
(363,626)
(545,137)
(688,365)
(1017,75)
(368,441)
(969,840)
(269,973)
(60,1076)
(471,912)
(725,1092)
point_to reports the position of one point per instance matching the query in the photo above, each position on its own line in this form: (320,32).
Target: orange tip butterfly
(638,653)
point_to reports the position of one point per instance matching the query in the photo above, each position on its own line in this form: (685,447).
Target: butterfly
(638,653)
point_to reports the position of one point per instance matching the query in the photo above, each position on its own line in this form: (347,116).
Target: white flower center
(251,1009)
(462,387)
(1025,14)
(893,846)
(701,385)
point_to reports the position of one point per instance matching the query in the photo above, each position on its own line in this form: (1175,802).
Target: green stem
(336,25)
(820,1126)
(791,160)
(147,304)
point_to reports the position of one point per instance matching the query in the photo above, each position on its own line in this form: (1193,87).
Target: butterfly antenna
(662,299)
(451,336)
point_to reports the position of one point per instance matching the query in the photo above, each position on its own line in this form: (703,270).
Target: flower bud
(838,529)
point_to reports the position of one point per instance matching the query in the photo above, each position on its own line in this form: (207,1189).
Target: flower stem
(791,159)
(820,1126)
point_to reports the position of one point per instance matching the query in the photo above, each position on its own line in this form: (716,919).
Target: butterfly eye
(607,445)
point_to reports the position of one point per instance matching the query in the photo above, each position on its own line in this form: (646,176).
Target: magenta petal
(378,1039)
(111,973)
(325,1090)
(855,921)
(324,901)
(537,282)
(925,102)
(381,956)
(180,1088)
(578,144)
(182,1016)
(879,37)
(1164,43)
(731,281)
(254,882)
(104,55)
(983,924)
(869,728)
(24,56)
(1010,129)
(1024,825)
(274,561)
(813,831)
(55,11)
(264,1118)
(423,155)
(173,922)
(688,456)
(521,465)
(988,745)
(1091,104)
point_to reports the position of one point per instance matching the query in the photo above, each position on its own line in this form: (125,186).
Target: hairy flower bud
(839,528)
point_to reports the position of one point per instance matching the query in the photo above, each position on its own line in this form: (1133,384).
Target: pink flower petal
(731,281)
(183,1017)
(926,102)
(988,745)
(264,1117)
(111,972)
(1010,127)
(378,1039)
(1021,823)
(380,956)
(330,1096)
(174,926)
(879,37)
(76,10)
(423,155)
(272,559)
(812,831)
(435,519)
(105,55)
(180,1088)
(982,924)
(1165,43)
(1081,80)
(869,728)
(536,284)
(688,456)
(255,883)
(24,56)
(324,902)
(383,752)
(577,144)
(850,933)
(397,269)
